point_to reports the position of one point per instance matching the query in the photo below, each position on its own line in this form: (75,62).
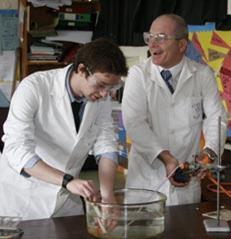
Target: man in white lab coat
(165,119)
(45,146)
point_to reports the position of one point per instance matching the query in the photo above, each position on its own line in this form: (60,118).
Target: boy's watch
(66,179)
(211,154)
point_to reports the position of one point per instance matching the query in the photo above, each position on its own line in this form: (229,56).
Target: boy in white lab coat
(47,139)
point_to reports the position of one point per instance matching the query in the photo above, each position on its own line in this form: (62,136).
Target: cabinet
(35,22)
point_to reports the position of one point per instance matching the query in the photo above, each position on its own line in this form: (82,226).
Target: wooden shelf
(31,16)
(31,63)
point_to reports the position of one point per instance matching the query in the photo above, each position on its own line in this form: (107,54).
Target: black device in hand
(181,176)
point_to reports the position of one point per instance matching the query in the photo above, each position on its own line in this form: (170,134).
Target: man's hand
(206,156)
(171,165)
(171,170)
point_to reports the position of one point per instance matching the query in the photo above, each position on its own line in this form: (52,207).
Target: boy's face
(95,86)
(99,85)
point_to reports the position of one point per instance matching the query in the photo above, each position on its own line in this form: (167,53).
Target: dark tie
(75,109)
(166,75)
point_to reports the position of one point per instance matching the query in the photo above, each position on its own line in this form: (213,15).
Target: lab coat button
(172,131)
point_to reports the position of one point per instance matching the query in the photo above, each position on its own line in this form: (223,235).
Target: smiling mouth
(157,53)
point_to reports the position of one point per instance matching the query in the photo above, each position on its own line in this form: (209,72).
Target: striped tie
(166,75)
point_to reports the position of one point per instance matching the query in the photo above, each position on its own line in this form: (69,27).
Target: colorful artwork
(215,50)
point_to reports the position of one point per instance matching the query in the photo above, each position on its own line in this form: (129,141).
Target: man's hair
(181,28)
(101,55)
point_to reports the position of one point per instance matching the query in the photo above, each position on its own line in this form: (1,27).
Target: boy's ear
(81,68)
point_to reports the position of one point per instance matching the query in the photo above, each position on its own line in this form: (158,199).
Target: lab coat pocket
(23,182)
(195,110)
(9,176)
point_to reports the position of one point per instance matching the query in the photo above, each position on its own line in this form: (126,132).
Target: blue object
(228,133)
(192,53)
(4,102)
(202,28)
(181,176)
(9,39)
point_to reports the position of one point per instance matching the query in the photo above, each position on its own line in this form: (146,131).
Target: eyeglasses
(99,85)
(158,38)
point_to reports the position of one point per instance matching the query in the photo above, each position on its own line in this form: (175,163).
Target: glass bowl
(137,213)
(8,227)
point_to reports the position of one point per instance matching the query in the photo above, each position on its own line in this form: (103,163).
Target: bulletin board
(9,42)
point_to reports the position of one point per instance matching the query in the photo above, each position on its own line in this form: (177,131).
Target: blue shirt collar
(68,87)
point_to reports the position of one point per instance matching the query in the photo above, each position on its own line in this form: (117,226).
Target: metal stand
(217,225)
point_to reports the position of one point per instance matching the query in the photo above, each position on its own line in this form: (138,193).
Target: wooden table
(182,222)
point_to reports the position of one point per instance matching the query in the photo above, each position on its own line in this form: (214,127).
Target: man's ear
(183,45)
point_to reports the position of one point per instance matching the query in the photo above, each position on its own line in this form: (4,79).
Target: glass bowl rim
(104,204)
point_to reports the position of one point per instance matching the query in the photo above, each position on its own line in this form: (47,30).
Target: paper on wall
(8,4)
(7,74)
(229,7)
(7,65)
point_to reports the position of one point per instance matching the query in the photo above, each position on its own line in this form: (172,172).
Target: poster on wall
(215,50)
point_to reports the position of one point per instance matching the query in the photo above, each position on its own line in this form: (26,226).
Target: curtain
(124,21)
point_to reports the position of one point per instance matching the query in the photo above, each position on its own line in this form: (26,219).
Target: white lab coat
(41,122)
(156,120)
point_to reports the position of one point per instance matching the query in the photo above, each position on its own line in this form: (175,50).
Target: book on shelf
(80,37)
(53,50)
(80,17)
(51,43)
(76,22)
(43,57)
(45,50)
(43,33)
(77,8)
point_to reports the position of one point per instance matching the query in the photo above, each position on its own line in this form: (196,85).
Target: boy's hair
(103,56)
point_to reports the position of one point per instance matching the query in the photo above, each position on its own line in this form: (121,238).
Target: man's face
(98,85)
(168,51)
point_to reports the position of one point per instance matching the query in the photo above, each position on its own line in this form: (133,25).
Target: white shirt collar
(175,70)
